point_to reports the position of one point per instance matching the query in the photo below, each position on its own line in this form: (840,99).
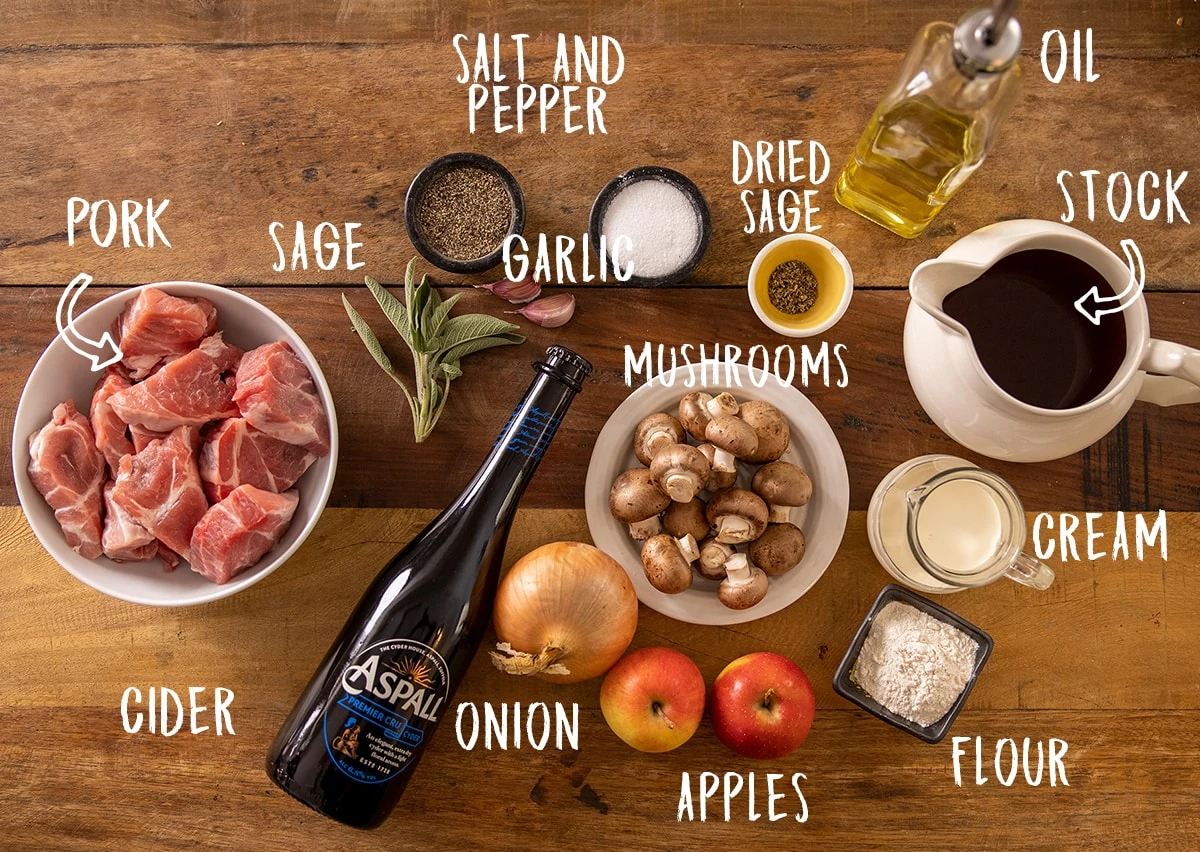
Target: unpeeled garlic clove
(550,312)
(516,292)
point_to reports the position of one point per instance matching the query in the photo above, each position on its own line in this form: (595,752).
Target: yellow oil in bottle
(908,163)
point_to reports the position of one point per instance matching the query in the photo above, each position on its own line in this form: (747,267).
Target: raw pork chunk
(235,533)
(160,488)
(276,394)
(124,539)
(238,454)
(142,438)
(156,325)
(187,392)
(110,429)
(69,470)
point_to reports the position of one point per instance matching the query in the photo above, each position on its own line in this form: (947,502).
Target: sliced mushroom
(782,485)
(636,500)
(744,585)
(713,556)
(697,408)
(778,550)
(769,425)
(668,562)
(722,467)
(688,518)
(681,471)
(739,515)
(732,434)
(654,434)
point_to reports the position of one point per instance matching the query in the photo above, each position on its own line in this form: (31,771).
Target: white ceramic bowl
(60,374)
(835,284)
(813,446)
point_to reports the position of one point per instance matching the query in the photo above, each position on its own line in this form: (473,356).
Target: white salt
(660,222)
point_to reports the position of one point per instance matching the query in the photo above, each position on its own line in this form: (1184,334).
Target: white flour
(913,664)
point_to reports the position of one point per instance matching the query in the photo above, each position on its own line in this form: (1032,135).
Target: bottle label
(391,696)
(536,432)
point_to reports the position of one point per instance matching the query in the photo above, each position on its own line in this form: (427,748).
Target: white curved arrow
(108,351)
(1093,306)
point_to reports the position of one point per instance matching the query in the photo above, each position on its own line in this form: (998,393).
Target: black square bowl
(851,691)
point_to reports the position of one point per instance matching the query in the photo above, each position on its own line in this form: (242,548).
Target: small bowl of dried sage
(800,285)
(460,209)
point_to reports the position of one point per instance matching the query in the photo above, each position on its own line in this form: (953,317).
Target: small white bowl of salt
(912,663)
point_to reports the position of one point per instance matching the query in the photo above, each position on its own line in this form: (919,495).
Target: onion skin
(572,604)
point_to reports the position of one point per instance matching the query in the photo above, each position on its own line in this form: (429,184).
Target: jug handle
(1030,572)
(1176,369)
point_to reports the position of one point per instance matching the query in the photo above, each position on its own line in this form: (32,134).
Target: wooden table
(243,113)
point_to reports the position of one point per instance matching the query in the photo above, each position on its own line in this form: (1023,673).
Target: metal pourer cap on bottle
(987,40)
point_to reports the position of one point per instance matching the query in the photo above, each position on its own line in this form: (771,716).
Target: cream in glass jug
(941,524)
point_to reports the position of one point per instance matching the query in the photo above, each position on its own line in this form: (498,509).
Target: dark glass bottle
(352,741)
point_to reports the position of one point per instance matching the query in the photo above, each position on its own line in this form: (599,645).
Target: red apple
(762,706)
(653,699)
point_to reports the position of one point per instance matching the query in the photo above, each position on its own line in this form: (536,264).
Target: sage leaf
(472,326)
(438,320)
(392,308)
(368,337)
(467,347)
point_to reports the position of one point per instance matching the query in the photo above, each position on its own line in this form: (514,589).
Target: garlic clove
(516,292)
(549,312)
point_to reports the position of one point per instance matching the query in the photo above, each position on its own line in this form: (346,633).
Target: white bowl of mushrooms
(723,504)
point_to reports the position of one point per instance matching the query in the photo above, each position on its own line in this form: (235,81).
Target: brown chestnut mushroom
(655,433)
(778,550)
(739,515)
(769,425)
(744,585)
(697,408)
(722,467)
(668,562)
(782,485)
(693,414)
(636,500)
(732,434)
(682,519)
(713,556)
(681,471)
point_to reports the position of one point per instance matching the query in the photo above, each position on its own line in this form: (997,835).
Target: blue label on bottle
(534,436)
(392,695)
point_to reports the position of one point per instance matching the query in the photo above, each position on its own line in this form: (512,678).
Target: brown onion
(565,612)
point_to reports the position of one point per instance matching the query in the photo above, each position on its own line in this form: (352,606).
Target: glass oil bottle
(937,121)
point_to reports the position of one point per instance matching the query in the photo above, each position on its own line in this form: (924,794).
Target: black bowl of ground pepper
(460,209)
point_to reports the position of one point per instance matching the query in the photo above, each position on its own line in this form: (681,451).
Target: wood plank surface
(1103,660)
(1170,25)
(247,112)
(1148,462)
(236,142)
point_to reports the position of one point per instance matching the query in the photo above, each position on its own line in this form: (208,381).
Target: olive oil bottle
(937,121)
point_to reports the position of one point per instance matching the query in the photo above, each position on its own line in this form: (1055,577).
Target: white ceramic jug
(956,392)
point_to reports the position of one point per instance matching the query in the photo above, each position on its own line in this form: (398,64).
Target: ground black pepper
(465,213)
(792,287)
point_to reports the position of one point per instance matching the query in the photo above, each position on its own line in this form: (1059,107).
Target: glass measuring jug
(942,524)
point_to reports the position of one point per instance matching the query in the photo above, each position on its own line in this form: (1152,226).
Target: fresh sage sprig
(438,342)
